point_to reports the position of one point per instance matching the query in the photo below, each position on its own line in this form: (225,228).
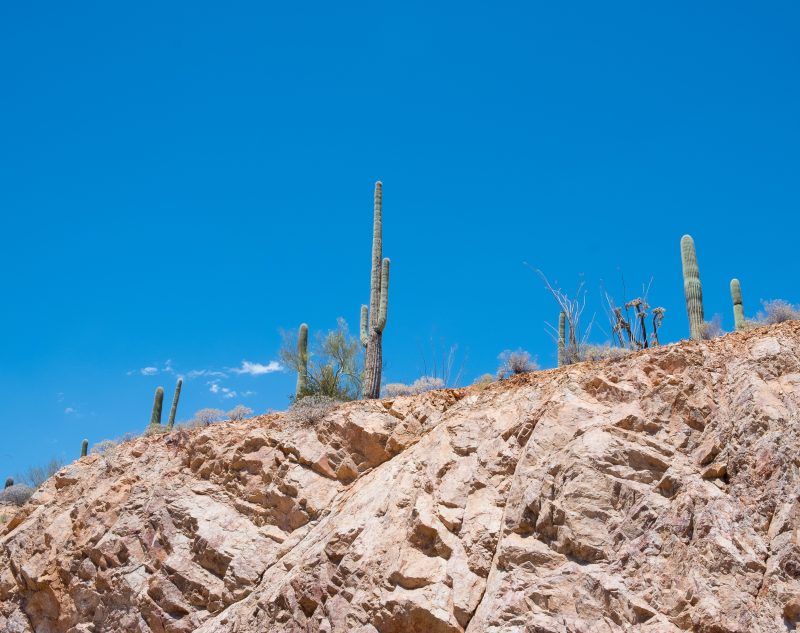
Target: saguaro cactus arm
(364,329)
(158,401)
(738,307)
(692,288)
(302,357)
(562,339)
(174,409)
(384,303)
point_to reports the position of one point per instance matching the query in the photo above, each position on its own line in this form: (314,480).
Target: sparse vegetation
(606,351)
(239,412)
(104,447)
(35,476)
(777,311)
(311,409)
(332,368)
(207,416)
(711,329)
(16,495)
(420,385)
(515,363)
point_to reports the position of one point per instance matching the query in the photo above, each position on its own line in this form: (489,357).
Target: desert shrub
(712,329)
(204,417)
(590,352)
(35,476)
(154,429)
(239,412)
(333,363)
(104,447)
(483,380)
(777,311)
(311,409)
(515,363)
(420,385)
(16,495)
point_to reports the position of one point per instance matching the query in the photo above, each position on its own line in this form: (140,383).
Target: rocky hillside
(654,493)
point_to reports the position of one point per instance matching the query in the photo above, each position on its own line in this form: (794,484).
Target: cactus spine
(158,401)
(692,288)
(302,359)
(738,308)
(562,339)
(84,448)
(373,318)
(174,409)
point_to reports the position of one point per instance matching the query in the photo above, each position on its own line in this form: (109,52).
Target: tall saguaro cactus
(373,318)
(302,358)
(738,307)
(84,448)
(158,401)
(174,409)
(562,339)
(692,288)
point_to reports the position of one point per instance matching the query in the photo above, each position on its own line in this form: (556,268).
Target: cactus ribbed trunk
(738,307)
(692,288)
(302,356)
(174,410)
(373,318)
(158,402)
(84,448)
(562,339)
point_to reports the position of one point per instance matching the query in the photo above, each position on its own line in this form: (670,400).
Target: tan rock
(657,493)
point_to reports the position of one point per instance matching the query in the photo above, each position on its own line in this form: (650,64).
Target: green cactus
(9,482)
(174,409)
(738,307)
(692,288)
(373,318)
(158,401)
(302,357)
(562,339)
(84,448)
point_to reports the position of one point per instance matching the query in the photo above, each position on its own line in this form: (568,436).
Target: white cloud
(225,392)
(197,373)
(213,387)
(70,411)
(257,369)
(148,371)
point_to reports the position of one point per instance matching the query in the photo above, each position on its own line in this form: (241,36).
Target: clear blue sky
(178,181)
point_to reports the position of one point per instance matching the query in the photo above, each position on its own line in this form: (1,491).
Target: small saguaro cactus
(373,318)
(562,339)
(84,448)
(738,308)
(692,288)
(302,358)
(9,482)
(158,401)
(174,409)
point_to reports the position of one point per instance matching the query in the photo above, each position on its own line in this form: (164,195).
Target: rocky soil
(654,493)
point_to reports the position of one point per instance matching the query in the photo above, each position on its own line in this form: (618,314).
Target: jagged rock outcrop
(655,493)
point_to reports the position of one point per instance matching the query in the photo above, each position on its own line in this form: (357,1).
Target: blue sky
(179,181)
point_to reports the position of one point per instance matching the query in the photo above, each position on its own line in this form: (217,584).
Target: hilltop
(657,492)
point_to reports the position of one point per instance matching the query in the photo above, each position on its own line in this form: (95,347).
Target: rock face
(654,493)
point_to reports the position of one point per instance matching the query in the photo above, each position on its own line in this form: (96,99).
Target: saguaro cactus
(373,318)
(84,448)
(562,339)
(692,288)
(9,482)
(302,358)
(738,308)
(174,409)
(158,401)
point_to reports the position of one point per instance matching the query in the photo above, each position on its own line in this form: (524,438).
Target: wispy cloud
(257,369)
(70,411)
(224,392)
(151,370)
(197,373)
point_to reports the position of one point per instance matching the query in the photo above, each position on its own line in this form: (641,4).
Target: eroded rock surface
(654,493)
